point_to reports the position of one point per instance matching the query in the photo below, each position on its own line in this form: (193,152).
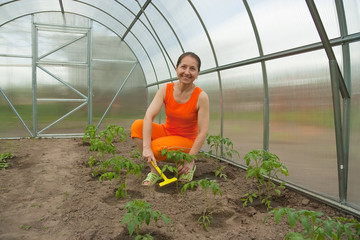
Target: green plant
(220,144)
(139,212)
(179,158)
(316,226)
(117,164)
(4,160)
(264,167)
(135,154)
(103,143)
(205,184)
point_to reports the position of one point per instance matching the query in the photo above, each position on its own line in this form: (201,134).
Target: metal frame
(37,62)
(340,84)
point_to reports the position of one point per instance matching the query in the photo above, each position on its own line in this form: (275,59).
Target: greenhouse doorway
(61,79)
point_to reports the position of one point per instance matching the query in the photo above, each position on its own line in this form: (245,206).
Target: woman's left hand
(186,168)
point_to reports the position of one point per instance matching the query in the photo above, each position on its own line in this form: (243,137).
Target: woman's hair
(190,54)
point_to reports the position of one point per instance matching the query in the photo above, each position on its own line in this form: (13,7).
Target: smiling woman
(187,120)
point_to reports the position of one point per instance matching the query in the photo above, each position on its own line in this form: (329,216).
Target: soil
(48,192)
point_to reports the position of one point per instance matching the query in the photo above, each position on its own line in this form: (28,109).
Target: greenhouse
(281,76)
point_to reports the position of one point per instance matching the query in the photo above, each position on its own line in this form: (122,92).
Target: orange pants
(161,139)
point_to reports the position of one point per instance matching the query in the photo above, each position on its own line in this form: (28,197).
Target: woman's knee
(137,128)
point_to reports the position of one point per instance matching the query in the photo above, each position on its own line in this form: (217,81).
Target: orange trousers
(161,139)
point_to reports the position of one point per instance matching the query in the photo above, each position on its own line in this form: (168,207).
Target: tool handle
(159,171)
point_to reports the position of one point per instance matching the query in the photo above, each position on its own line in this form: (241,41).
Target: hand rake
(166,180)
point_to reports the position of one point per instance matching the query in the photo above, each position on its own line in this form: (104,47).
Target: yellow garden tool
(166,180)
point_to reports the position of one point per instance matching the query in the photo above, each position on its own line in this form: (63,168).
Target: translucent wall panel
(130,103)
(169,42)
(152,48)
(143,58)
(49,41)
(243,108)
(283,24)
(15,82)
(15,37)
(354,155)
(73,76)
(188,27)
(328,15)
(15,78)
(301,120)
(210,84)
(56,18)
(49,112)
(352,14)
(107,46)
(228,25)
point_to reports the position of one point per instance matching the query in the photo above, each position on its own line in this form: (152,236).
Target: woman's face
(188,70)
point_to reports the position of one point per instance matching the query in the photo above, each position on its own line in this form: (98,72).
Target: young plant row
(5,160)
(262,166)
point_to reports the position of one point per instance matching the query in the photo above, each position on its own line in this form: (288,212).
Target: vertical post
(266,110)
(89,62)
(338,129)
(34,52)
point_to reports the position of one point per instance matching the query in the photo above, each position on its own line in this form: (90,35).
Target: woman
(187,120)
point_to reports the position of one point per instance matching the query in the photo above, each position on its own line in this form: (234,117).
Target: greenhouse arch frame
(291,87)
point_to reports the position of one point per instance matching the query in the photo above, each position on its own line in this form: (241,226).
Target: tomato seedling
(118,164)
(205,184)
(264,167)
(220,145)
(139,212)
(316,226)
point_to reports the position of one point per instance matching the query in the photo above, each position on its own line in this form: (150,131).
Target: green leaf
(294,236)
(278,215)
(306,224)
(292,219)
(131,227)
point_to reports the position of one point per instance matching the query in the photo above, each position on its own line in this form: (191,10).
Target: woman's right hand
(148,156)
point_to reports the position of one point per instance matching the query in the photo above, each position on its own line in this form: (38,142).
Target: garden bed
(48,193)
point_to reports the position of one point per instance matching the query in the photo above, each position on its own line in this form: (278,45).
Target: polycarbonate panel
(329,18)
(50,87)
(301,121)
(186,24)
(15,37)
(210,84)
(143,59)
(49,112)
(161,117)
(130,103)
(354,151)
(5,1)
(97,15)
(228,25)
(57,18)
(15,82)
(152,47)
(17,9)
(49,42)
(108,78)
(352,15)
(107,46)
(283,24)
(243,108)
(165,33)
(114,9)
(133,6)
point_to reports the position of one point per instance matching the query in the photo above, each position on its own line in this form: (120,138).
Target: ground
(49,193)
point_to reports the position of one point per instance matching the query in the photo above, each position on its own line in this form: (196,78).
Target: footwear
(152,178)
(189,176)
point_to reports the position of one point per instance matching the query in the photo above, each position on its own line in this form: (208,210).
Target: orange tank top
(181,118)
